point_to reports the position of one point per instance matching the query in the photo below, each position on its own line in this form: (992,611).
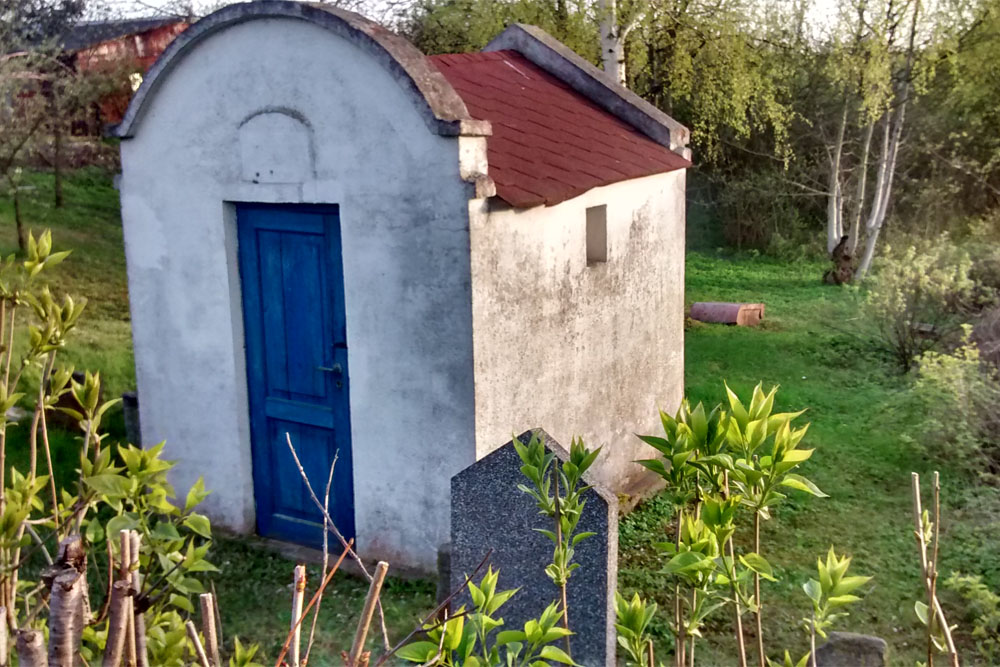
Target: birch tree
(871,67)
(892,131)
(613,33)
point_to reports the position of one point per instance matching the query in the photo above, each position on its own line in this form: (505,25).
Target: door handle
(336,369)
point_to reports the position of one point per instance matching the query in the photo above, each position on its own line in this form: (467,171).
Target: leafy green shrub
(920,298)
(951,406)
(982,610)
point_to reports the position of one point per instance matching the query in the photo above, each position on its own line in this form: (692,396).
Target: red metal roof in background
(549,143)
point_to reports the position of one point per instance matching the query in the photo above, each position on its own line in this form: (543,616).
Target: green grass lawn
(806,345)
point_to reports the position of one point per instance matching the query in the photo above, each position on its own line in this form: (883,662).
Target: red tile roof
(549,143)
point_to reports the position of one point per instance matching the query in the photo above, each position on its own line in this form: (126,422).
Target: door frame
(335,268)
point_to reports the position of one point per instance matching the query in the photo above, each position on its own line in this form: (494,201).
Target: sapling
(632,619)
(829,594)
(759,478)
(717,462)
(694,467)
(928,537)
(469,638)
(558,492)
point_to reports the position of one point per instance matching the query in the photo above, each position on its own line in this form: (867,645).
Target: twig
(559,541)
(40,543)
(437,656)
(316,596)
(326,557)
(934,608)
(103,611)
(736,596)
(298,593)
(434,612)
(199,650)
(374,590)
(336,531)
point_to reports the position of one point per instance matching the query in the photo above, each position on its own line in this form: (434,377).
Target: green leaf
(508,636)
(921,609)
(200,524)
(417,651)
(656,465)
(813,590)
(841,600)
(119,523)
(848,584)
(165,530)
(182,602)
(800,483)
(688,561)
(113,486)
(195,495)
(556,655)
(758,564)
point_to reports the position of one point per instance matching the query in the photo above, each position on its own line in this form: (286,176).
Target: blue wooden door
(296,347)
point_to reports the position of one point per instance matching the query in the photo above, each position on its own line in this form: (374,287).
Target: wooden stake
(218,615)
(208,628)
(138,617)
(366,614)
(315,598)
(199,650)
(4,638)
(297,597)
(66,618)
(130,651)
(118,624)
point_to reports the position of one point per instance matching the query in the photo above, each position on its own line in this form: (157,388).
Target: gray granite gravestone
(488,511)
(847,649)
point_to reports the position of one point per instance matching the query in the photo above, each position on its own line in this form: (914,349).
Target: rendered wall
(581,350)
(323,122)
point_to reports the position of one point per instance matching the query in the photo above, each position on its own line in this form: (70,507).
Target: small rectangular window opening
(597,235)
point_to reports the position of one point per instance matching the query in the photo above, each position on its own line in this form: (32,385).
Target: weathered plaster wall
(406,262)
(575,349)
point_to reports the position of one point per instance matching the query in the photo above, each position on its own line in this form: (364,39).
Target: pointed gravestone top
(488,511)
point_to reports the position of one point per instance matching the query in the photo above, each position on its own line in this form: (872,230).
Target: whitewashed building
(396,259)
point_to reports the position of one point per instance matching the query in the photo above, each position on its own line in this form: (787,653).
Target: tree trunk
(22,236)
(612,40)
(835,196)
(57,159)
(890,150)
(855,235)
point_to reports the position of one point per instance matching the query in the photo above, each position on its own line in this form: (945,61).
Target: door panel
(296,347)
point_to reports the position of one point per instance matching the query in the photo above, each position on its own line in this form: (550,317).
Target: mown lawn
(808,345)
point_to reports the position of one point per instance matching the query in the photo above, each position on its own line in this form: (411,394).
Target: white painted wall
(581,350)
(406,263)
